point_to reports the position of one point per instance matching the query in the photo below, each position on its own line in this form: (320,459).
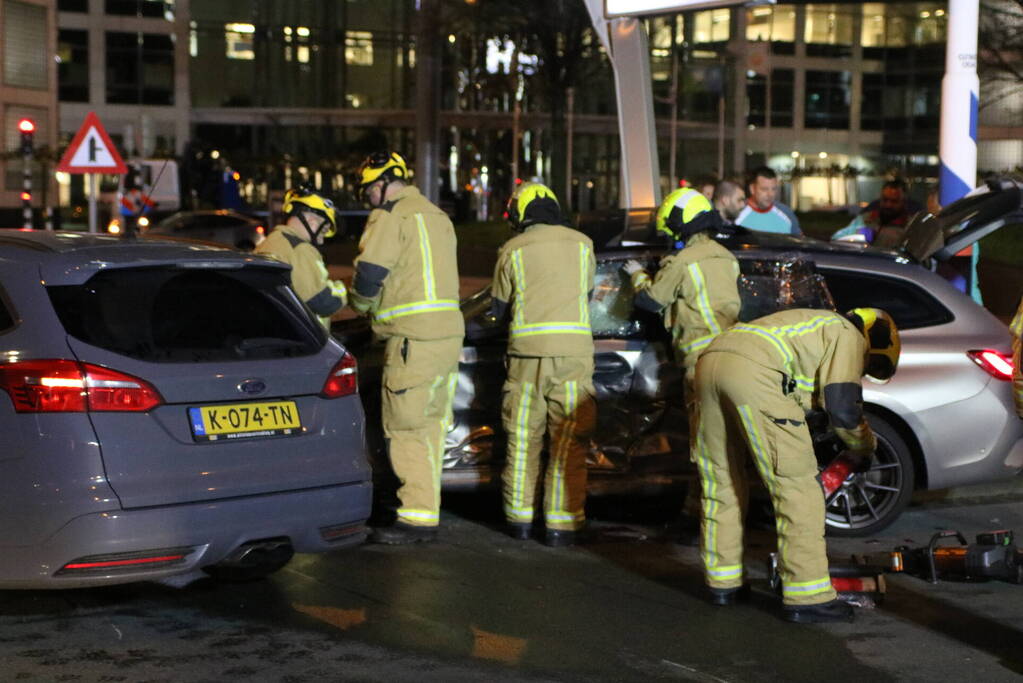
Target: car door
(980,213)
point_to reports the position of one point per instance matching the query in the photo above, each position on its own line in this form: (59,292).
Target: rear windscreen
(177,315)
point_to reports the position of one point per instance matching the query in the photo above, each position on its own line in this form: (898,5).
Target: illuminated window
(238,38)
(873,31)
(712,26)
(296,44)
(829,30)
(777,24)
(931,23)
(359,48)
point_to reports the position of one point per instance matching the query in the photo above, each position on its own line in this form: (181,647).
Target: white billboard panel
(632,8)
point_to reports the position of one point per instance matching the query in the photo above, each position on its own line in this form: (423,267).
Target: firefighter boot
(836,610)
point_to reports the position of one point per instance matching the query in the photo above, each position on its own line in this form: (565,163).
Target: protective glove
(631,267)
(860,444)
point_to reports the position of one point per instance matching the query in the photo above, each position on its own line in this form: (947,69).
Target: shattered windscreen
(770,285)
(611,310)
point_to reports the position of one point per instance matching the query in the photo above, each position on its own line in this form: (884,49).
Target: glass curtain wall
(903,51)
(301,53)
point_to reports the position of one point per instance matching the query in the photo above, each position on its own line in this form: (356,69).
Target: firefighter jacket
(545,275)
(309,276)
(1017,357)
(819,356)
(697,288)
(406,274)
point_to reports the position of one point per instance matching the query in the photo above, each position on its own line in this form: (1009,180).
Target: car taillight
(110,390)
(996,363)
(343,379)
(66,386)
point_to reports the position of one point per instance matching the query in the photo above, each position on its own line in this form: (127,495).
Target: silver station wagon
(167,409)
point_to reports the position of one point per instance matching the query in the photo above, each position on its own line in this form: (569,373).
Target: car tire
(871,501)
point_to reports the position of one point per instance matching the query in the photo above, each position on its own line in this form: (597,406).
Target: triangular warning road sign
(91,151)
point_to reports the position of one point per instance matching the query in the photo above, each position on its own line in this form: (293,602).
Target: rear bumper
(211,529)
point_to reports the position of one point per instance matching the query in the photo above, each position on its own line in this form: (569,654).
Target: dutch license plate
(244,420)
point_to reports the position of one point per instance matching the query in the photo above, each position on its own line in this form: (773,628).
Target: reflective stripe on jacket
(407,270)
(546,274)
(814,349)
(698,289)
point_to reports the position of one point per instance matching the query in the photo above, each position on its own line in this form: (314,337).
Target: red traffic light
(27,126)
(26,196)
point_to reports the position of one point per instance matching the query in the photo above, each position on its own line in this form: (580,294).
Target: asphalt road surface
(478,606)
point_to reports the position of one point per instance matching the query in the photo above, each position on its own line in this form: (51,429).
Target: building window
(782,98)
(25,57)
(140,68)
(898,103)
(829,30)
(931,23)
(827,99)
(712,26)
(872,106)
(774,24)
(73,5)
(902,25)
(73,65)
(141,8)
(296,44)
(238,39)
(359,48)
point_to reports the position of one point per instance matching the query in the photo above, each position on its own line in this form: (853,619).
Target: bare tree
(1000,57)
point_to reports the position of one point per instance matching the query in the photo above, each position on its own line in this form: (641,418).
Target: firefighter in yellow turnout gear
(753,385)
(544,276)
(697,290)
(406,279)
(310,220)
(1016,327)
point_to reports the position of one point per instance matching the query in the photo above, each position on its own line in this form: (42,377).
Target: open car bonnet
(991,206)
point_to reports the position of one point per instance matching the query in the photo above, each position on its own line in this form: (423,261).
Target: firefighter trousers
(743,413)
(418,389)
(552,395)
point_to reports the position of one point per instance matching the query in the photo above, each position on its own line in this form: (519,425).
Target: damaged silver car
(946,419)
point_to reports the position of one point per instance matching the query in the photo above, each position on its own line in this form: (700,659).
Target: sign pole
(93,191)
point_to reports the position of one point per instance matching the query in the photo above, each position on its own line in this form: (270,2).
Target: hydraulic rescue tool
(993,556)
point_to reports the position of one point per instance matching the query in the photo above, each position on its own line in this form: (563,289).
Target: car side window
(611,310)
(908,304)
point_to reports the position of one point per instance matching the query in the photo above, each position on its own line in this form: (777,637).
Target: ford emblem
(252,387)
